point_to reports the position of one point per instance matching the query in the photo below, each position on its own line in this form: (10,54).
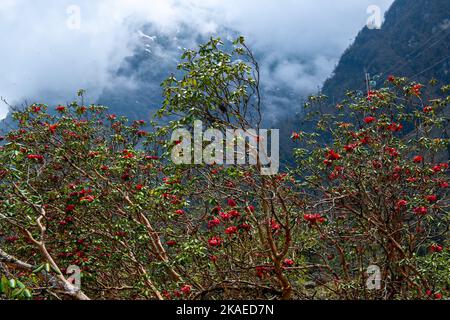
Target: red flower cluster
(288,262)
(36,108)
(401,204)
(418,159)
(431,199)
(350,148)
(416,89)
(35,157)
(70,208)
(428,109)
(171,243)
(232,203)
(436,248)
(392,152)
(127,154)
(213,223)
(180,212)
(314,218)
(395,127)
(186,289)
(421,211)
(440,167)
(215,242)
(369,120)
(274,225)
(331,155)
(231,230)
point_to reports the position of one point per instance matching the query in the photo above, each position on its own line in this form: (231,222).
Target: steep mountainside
(413,42)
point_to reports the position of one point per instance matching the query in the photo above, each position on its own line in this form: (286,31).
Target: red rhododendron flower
(186,289)
(60,108)
(128,155)
(180,212)
(232,203)
(260,272)
(36,109)
(436,248)
(171,243)
(215,242)
(391,78)
(231,230)
(53,128)
(35,157)
(418,159)
(12,239)
(392,152)
(416,89)
(377,164)
(421,211)
(225,216)
(365,140)
(70,208)
(443,184)
(274,225)
(428,109)
(350,148)
(395,127)
(438,296)
(152,158)
(288,262)
(213,223)
(401,204)
(234,214)
(332,155)
(369,120)
(314,218)
(250,209)
(295,136)
(139,187)
(431,199)
(437,168)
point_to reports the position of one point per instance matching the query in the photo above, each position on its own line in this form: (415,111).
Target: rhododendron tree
(81,187)
(383,193)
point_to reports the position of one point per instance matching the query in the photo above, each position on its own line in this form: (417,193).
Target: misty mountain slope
(414,41)
(157,58)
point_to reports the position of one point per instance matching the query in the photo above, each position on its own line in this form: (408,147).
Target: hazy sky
(46,57)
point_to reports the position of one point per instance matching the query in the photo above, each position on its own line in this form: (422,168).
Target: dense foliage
(81,187)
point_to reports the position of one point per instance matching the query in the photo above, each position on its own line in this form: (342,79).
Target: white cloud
(41,58)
